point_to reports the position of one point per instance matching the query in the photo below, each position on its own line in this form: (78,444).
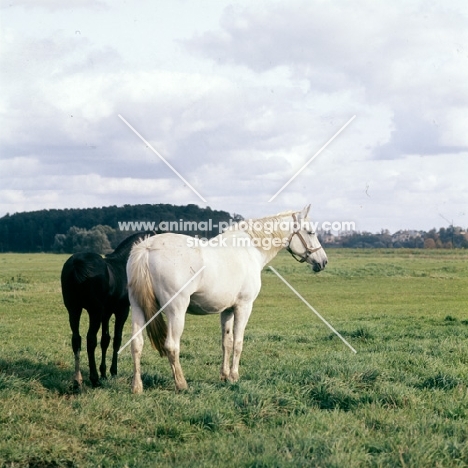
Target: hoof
(181,387)
(96,383)
(137,387)
(76,387)
(233,377)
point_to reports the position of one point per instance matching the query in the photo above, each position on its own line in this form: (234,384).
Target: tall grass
(303,398)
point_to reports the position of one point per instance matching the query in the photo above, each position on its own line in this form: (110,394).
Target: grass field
(303,399)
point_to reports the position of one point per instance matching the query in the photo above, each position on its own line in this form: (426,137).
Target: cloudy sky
(237,96)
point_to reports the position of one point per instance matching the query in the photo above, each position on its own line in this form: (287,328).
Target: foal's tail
(141,289)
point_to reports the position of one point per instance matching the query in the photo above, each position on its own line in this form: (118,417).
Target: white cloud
(407,56)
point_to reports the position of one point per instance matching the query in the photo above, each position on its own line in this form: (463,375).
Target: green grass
(303,399)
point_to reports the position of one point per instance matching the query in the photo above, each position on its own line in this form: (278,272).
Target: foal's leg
(74,319)
(227,325)
(120,319)
(105,340)
(241,317)
(95,318)
(138,322)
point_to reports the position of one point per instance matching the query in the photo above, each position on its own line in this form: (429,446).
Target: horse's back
(179,257)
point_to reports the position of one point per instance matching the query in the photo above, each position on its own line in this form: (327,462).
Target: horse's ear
(305,211)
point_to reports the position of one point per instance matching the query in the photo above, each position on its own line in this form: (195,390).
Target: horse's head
(303,243)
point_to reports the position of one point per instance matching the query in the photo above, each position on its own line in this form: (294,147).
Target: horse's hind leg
(120,319)
(138,322)
(227,323)
(105,340)
(95,318)
(175,328)
(74,316)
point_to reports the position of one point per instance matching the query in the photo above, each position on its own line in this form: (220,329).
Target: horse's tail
(141,288)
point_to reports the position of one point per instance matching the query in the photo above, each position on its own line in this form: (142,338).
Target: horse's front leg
(227,325)
(241,317)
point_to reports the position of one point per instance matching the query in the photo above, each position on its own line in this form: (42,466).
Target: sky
(237,97)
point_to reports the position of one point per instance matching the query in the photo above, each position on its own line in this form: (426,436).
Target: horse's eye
(311,233)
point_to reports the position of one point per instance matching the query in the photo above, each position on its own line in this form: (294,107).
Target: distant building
(406,235)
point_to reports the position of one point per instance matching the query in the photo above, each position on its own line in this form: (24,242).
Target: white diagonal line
(312,309)
(168,164)
(161,309)
(312,158)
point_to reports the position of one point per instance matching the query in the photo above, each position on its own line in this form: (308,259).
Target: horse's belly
(195,309)
(198,306)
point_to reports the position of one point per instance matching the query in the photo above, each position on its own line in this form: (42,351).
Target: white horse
(222,277)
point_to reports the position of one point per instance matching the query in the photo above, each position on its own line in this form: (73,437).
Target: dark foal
(99,285)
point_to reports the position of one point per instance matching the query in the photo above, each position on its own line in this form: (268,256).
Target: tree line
(444,238)
(96,229)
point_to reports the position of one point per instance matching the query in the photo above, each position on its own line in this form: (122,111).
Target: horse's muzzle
(318,266)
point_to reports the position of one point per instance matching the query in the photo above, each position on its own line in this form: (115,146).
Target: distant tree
(97,239)
(429,243)
(59,245)
(464,240)
(432,234)
(83,240)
